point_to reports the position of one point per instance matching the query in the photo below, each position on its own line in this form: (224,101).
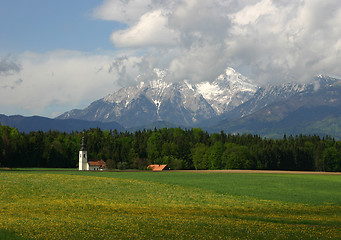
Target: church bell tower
(83,156)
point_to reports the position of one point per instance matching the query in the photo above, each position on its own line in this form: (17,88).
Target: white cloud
(292,42)
(125,70)
(271,41)
(9,66)
(61,78)
(251,13)
(151,30)
(200,62)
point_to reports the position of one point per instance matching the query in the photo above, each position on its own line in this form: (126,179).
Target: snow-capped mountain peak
(183,102)
(227,91)
(161,74)
(230,96)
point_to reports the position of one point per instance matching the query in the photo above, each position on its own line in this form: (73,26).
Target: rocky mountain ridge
(231,102)
(180,103)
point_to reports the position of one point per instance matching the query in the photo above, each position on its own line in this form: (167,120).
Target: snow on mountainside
(229,96)
(268,95)
(313,108)
(228,91)
(181,103)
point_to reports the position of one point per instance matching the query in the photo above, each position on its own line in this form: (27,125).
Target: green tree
(154,147)
(215,154)
(182,139)
(124,152)
(236,157)
(332,159)
(170,149)
(172,162)
(200,156)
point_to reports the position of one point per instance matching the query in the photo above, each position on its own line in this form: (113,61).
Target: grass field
(168,205)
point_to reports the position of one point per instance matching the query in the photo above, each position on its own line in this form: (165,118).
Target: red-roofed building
(158,167)
(95,165)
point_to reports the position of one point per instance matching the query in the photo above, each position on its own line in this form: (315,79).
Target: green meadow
(168,205)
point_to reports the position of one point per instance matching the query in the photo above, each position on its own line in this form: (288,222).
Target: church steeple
(83,156)
(83,147)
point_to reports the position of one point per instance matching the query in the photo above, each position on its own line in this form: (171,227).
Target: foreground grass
(146,205)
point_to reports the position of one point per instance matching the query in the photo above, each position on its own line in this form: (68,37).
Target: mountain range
(310,111)
(37,123)
(180,103)
(231,102)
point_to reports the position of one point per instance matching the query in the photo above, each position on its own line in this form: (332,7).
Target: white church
(85,164)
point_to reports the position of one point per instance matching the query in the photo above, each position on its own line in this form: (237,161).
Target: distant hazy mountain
(36,123)
(178,103)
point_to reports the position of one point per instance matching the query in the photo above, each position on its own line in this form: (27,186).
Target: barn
(158,167)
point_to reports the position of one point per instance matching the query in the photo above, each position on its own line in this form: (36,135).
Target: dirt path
(259,171)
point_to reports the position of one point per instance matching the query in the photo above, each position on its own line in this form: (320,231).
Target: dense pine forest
(180,149)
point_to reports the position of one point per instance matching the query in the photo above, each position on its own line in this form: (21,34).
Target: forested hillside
(180,149)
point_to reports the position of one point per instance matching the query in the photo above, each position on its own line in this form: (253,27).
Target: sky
(59,55)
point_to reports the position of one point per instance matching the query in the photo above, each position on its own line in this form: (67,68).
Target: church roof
(99,163)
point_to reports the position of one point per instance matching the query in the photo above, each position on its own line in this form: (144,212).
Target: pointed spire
(83,148)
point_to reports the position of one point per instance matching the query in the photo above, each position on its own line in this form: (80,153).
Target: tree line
(180,149)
